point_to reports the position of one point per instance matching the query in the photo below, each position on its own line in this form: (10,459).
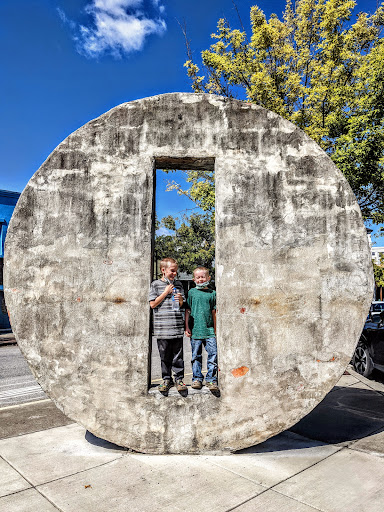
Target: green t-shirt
(201,303)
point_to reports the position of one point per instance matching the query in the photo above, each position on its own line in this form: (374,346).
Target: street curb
(5,343)
(7,339)
(16,406)
(376,386)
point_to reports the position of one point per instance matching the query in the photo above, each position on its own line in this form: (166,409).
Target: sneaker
(165,386)
(212,386)
(180,386)
(197,384)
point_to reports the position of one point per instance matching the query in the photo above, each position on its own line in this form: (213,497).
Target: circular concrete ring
(293,266)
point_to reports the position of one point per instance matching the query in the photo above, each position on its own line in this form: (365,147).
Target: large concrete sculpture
(294,277)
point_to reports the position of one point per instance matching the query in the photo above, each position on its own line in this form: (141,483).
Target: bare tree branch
(240,20)
(187,42)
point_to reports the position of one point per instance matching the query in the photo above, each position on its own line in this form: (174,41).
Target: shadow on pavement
(97,441)
(377,376)
(345,414)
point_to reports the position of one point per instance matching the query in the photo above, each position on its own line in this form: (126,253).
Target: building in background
(369,233)
(8,202)
(376,253)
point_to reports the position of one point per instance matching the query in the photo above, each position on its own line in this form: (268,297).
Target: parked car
(376,307)
(369,353)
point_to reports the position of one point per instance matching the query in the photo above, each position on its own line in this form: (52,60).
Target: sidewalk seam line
(298,473)
(344,385)
(360,377)
(302,471)
(245,501)
(51,502)
(376,454)
(238,474)
(36,486)
(48,499)
(298,501)
(372,433)
(28,489)
(83,470)
(277,492)
(17,471)
(340,449)
(30,483)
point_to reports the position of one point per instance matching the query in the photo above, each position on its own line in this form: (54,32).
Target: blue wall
(8,202)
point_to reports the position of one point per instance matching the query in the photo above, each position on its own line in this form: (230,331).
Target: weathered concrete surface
(293,264)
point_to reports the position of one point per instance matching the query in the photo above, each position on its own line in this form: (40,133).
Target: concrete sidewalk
(332,460)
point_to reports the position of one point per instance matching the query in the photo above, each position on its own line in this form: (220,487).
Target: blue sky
(65,62)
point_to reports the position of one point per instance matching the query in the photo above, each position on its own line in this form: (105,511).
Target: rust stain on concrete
(240,372)
(242,310)
(118,300)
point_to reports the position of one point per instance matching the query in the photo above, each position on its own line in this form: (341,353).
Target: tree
(201,191)
(190,240)
(378,271)
(318,70)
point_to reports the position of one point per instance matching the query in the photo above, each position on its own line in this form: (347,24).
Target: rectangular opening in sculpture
(184,230)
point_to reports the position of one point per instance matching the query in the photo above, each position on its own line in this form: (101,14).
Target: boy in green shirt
(201,304)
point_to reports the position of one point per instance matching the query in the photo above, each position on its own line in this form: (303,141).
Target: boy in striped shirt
(168,325)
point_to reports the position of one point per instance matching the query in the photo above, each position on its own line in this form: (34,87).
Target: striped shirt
(167,323)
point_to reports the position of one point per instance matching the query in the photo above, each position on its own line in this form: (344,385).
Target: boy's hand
(179,298)
(169,288)
(187,332)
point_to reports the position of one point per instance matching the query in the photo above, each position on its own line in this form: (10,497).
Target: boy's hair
(166,262)
(201,268)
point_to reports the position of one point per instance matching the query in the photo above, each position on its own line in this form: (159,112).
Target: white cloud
(118,27)
(157,4)
(164,231)
(65,19)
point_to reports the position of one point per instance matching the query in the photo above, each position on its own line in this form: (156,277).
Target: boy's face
(200,276)
(170,271)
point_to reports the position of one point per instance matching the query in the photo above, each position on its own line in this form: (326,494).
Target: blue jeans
(197,357)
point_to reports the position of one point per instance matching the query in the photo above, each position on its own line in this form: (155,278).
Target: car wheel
(362,361)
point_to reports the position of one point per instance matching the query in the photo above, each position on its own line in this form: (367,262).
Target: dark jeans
(171,356)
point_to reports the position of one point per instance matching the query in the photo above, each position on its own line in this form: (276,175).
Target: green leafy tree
(378,271)
(201,190)
(190,240)
(317,68)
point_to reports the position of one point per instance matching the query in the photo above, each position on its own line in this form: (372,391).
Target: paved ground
(332,460)
(17,384)
(7,338)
